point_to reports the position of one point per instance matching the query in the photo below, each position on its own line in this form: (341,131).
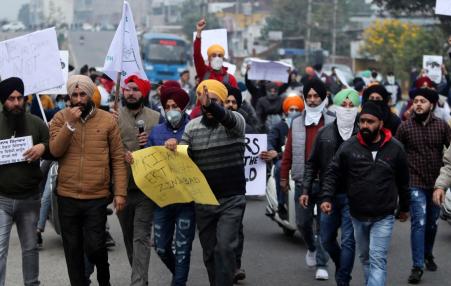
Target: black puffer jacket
(327,142)
(372,185)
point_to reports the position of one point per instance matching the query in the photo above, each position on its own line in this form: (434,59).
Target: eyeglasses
(293,109)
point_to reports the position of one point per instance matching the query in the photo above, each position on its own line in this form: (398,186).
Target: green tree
(191,13)
(399,46)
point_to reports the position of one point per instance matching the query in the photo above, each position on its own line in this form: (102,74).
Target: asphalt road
(270,258)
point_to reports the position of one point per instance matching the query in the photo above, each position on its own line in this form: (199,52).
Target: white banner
(212,37)
(11,150)
(62,89)
(268,70)
(34,58)
(433,67)
(254,167)
(124,55)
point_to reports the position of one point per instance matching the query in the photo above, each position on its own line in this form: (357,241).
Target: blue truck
(165,56)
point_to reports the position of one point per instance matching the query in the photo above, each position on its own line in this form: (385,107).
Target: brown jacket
(85,156)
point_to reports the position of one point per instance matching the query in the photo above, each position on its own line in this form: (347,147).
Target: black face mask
(16,120)
(368,135)
(134,105)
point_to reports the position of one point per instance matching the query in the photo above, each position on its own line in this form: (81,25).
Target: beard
(368,135)
(209,122)
(85,108)
(15,119)
(421,117)
(134,105)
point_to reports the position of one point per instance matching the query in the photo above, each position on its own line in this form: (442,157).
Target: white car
(13,27)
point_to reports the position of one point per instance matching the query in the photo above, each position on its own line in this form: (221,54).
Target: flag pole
(118,88)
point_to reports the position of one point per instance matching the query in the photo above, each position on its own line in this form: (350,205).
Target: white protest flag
(123,55)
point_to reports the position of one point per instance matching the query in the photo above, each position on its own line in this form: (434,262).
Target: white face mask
(391,79)
(216,63)
(345,120)
(313,114)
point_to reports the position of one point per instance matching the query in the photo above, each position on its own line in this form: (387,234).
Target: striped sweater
(219,151)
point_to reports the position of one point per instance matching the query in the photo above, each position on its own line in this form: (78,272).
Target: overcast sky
(10,8)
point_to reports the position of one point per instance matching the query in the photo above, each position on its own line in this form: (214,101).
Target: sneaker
(310,258)
(415,275)
(240,274)
(321,274)
(39,239)
(109,240)
(430,263)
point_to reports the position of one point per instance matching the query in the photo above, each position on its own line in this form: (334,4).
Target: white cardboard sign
(211,37)
(62,89)
(34,58)
(254,167)
(433,67)
(268,70)
(11,150)
(443,7)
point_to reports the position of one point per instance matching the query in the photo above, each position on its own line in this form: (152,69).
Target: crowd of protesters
(360,154)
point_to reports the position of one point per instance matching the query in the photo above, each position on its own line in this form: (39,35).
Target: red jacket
(202,69)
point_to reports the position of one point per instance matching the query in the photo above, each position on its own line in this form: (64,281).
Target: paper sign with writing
(443,7)
(268,70)
(168,177)
(62,89)
(34,58)
(254,167)
(11,150)
(212,37)
(433,67)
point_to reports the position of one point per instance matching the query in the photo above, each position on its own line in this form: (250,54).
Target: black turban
(317,85)
(10,85)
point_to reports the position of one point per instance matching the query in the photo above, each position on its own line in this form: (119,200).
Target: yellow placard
(168,177)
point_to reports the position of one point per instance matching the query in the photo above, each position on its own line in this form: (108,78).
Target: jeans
(25,214)
(373,242)
(424,216)
(304,221)
(83,232)
(342,255)
(136,224)
(181,219)
(280,195)
(219,234)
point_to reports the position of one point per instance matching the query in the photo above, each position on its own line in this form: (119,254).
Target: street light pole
(309,31)
(334,31)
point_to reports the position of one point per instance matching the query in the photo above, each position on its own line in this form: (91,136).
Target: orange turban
(293,101)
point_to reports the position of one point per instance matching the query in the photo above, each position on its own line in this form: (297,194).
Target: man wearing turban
(19,188)
(327,142)
(216,144)
(298,148)
(135,124)
(215,68)
(179,219)
(87,143)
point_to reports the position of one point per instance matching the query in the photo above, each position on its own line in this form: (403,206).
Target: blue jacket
(164,131)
